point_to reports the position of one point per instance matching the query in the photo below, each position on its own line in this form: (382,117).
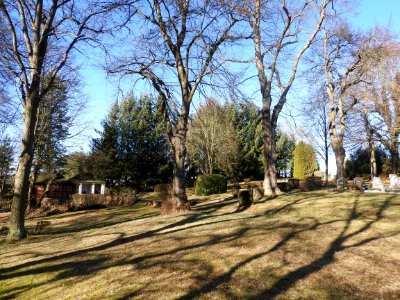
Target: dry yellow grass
(316,245)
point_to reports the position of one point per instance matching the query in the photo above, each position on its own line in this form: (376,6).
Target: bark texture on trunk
(179,180)
(371,147)
(326,170)
(269,158)
(394,154)
(340,155)
(17,229)
(374,171)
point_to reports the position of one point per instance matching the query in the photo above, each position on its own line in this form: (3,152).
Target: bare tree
(277,27)
(347,57)
(175,49)
(317,126)
(30,27)
(385,94)
(212,139)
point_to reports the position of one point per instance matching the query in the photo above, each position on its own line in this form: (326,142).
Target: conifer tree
(305,161)
(132,150)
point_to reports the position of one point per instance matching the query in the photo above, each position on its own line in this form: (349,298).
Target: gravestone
(392,178)
(340,184)
(378,184)
(360,183)
(397,182)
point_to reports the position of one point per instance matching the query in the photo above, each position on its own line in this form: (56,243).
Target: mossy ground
(314,245)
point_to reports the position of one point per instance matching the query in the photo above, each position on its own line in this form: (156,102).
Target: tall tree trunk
(394,154)
(326,166)
(3,184)
(340,155)
(269,157)
(374,171)
(179,180)
(326,150)
(371,148)
(32,203)
(17,229)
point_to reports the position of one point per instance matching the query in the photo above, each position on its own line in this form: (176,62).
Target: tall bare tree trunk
(17,229)
(340,154)
(372,160)
(326,160)
(179,180)
(371,148)
(269,157)
(394,153)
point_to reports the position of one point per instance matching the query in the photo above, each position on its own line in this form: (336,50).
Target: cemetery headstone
(340,184)
(360,183)
(397,185)
(378,184)
(392,178)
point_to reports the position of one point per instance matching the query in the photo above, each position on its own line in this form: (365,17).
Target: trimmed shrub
(293,183)
(257,188)
(209,184)
(90,201)
(305,161)
(311,184)
(283,186)
(289,184)
(245,198)
(86,201)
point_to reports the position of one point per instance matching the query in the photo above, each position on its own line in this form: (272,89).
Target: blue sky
(101,92)
(378,12)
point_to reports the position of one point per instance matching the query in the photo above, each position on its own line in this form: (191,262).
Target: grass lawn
(315,245)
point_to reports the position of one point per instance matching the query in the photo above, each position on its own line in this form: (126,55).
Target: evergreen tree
(285,146)
(78,165)
(305,161)
(132,150)
(106,164)
(6,159)
(358,163)
(52,128)
(247,120)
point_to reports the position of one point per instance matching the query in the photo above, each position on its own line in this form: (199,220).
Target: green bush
(305,161)
(245,197)
(209,184)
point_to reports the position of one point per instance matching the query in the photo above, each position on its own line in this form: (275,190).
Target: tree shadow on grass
(193,220)
(83,267)
(286,282)
(337,245)
(201,214)
(83,225)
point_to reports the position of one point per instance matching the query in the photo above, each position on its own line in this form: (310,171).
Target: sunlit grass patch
(318,245)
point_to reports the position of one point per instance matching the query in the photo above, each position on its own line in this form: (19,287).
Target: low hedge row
(89,201)
(209,184)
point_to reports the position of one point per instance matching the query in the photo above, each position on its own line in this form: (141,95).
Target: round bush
(245,197)
(209,184)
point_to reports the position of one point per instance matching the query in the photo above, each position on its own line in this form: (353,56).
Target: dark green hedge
(245,198)
(209,184)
